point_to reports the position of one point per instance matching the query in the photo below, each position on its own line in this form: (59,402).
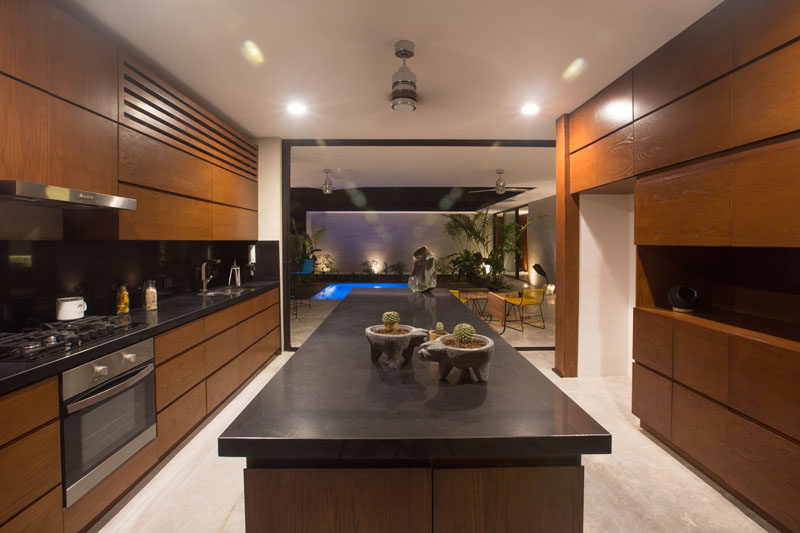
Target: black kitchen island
(336,442)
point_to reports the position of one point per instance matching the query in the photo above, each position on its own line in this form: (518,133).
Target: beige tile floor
(640,487)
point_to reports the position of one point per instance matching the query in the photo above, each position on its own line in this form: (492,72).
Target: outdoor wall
(607,285)
(354,237)
(542,239)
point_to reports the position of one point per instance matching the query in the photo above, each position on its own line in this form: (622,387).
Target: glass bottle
(123,300)
(150,295)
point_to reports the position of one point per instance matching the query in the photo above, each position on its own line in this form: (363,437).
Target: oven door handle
(119,387)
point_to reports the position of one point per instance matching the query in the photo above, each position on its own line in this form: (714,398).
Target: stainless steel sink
(226,291)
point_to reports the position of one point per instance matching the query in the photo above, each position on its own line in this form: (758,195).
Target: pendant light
(327,182)
(404,82)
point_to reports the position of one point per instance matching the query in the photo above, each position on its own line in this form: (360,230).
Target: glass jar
(123,300)
(150,295)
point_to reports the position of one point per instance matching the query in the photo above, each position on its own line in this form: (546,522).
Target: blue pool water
(338,291)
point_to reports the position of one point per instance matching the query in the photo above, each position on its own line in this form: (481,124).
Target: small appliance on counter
(70,308)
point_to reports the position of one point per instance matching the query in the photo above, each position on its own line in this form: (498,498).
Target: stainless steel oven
(108,410)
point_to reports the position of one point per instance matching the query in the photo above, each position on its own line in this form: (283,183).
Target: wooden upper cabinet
(583,169)
(687,208)
(766,196)
(81,64)
(697,55)
(23,40)
(766,96)
(229,188)
(82,151)
(151,163)
(615,156)
(582,127)
(23,130)
(759,27)
(162,216)
(232,223)
(614,105)
(696,125)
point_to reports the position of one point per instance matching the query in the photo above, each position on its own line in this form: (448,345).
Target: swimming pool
(338,291)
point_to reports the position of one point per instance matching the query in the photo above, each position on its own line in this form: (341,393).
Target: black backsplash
(34,273)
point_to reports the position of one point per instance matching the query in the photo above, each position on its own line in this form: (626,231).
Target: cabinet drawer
(652,399)
(221,320)
(223,382)
(699,428)
(765,467)
(246,333)
(266,299)
(652,340)
(246,309)
(221,349)
(267,320)
(178,375)
(175,341)
(701,359)
(178,419)
(29,468)
(765,384)
(44,515)
(28,408)
(692,208)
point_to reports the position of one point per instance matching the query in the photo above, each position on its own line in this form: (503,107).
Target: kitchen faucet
(203,277)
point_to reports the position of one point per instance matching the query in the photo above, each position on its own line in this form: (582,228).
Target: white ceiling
(477,61)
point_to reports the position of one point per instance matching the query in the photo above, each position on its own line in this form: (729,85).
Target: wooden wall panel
(232,189)
(699,427)
(232,223)
(765,467)
(23,131)
(652,340)
(583,169)
(82,149)
(696,125)
(81,64)
(356,500)
(697,55)
(29,468)
(177,340)
(614,105)
(151,163)
(766,96)
(44,515)
(652,400)
(508,499)
(766,196)
(179,374)
(178,419)
(23,40)
(685,208)
(701,359)
(764,384)
(164,216)
(615,156)
(28,408)
(759,27)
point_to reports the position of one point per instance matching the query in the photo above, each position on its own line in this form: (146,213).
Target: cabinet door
(583,169)
(615,156)
(177,340)
(23,40)
(221,349)
(652,400)
(232,223)
(222,382)
(23,131)
(28,408)
(701,359)
(180,417)
(688,208)
(164,216)
(235,190)
(699,428)
(178,375)
(762,26)
(652,340)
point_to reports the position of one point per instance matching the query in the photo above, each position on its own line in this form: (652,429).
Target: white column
(269,200)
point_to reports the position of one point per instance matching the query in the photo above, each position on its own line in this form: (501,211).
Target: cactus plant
(464,333)
(390,320)
(439,326)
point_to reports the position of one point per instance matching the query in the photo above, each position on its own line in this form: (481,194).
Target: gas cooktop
(62,337)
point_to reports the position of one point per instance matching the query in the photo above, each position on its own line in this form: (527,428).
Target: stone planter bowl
(398,348)
(450,357)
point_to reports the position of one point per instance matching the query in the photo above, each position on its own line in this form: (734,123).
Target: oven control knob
(129,357)
(100,371)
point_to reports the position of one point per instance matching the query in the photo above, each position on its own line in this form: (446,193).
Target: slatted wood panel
(151,106)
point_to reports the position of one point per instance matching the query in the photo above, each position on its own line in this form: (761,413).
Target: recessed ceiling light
(296,108)
(529,109)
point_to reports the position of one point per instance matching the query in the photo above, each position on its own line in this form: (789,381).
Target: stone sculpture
(423,273)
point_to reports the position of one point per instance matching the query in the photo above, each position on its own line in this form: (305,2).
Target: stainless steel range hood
(29,193)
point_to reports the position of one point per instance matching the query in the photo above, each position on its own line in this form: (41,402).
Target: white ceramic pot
(70,308)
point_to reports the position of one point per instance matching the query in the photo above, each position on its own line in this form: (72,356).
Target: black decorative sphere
(682,298)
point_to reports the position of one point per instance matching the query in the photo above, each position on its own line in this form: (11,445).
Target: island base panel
(414,499)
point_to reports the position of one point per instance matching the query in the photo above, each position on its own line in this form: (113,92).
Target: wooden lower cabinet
(179,374)
(28,408)
(652,340)
(221,383)
(701,359)
(178,340)
(178,419)
(699,427)
(44,515)
(221,349)
(652,399)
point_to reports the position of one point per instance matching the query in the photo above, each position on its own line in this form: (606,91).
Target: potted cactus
(438,332)
(390,321)
(397,341)
(463,349)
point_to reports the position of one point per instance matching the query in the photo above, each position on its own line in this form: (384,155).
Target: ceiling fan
(500,185)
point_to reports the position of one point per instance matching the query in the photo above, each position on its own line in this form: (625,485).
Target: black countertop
(330,404)
(171,313)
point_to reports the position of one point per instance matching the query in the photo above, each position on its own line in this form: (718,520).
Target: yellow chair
(457,294)
(529,298)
